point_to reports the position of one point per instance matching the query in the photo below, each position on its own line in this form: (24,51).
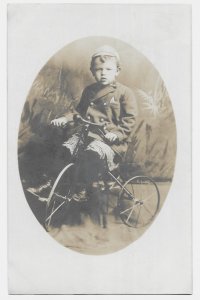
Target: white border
(196,148)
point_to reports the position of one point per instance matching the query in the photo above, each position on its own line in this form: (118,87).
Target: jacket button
(105,104)
(88,117)
(92,103)
(101,119)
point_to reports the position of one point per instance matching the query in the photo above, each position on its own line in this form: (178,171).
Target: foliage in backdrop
(57,89)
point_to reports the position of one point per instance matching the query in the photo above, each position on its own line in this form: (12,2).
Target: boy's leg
(89,169)
(92,167)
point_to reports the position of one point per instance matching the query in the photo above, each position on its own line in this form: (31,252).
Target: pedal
(31,192)
(42,199)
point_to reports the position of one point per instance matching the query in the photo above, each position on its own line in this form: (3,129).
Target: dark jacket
(115,105)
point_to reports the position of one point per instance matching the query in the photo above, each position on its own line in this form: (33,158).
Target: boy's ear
(118,71)
(92,71)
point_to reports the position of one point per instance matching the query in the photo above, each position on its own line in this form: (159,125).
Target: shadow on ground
(79,227)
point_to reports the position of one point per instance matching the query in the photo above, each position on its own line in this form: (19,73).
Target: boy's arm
(69,116)
(129,112)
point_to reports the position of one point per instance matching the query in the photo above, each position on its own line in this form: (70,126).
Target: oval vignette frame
(152,152)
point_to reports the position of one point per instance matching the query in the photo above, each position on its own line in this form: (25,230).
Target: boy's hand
(110,136)
(59,122)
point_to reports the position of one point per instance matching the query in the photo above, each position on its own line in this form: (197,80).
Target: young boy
(105,101)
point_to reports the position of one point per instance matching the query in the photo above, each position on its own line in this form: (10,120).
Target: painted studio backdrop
(151,152)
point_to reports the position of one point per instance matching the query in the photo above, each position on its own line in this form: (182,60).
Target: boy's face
(105,72)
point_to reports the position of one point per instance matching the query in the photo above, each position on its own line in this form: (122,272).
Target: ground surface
(83,233)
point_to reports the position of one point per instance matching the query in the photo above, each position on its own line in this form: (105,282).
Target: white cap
(106,50)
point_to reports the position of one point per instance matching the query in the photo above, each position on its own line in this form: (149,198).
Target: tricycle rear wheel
(139,201)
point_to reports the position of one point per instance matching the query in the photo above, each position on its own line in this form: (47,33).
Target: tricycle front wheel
(60,194)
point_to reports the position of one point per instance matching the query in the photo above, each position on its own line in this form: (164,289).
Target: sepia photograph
(97,145)
(99,149)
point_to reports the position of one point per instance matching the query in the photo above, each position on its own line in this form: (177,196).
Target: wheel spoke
(145,194)
(142,220)
(59,193)
(54,211)
(147,198)
(132,189)
(122,212)
(130,214)
(148,211)
(51,212)
(138,216)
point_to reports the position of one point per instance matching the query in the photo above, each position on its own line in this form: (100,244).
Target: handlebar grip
(77,118)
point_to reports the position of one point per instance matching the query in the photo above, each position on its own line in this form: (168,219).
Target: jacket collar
(99,91)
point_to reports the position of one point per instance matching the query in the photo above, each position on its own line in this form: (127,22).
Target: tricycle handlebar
(78,118)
